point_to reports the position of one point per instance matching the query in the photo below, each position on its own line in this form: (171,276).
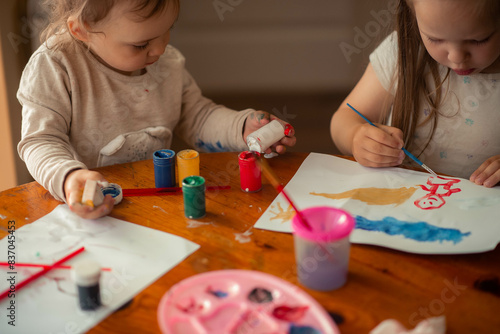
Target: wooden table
(382,283)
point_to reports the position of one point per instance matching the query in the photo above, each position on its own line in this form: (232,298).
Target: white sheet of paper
(137,255)
(467,221)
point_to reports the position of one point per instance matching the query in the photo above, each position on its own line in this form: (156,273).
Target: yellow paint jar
(188,164)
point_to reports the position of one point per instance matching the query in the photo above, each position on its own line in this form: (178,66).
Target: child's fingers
(395,138)
(74,186)
(74,196)
(255,121)
(474,176)
(382,153)
(370,159)
(260,118)
(280,149)
(493,180)
(488,174)
(289,130)
(289,140)
(88,212)
(488,178)
(374,147)
(371,153)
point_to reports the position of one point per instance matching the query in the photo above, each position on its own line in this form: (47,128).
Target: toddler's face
(457,39)
(128,44)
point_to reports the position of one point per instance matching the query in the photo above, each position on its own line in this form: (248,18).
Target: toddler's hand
(258,119)
(378,146)
(488,174)
(73,189)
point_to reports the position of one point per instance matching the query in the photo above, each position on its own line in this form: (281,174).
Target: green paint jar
(193,192)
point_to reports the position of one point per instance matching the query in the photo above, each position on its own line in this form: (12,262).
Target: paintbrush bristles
(267,171)
(269,174)
(429,170)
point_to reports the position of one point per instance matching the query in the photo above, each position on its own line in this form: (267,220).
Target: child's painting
(136,255)
(394,207)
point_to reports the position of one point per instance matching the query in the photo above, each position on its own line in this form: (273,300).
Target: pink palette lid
(241,301)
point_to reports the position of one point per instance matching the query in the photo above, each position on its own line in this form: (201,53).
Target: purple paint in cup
(322,253)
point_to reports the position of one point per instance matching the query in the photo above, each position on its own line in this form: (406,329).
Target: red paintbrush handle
(268,172)
(39,265)
(163,191)
(151,191)
(301,216)
(42,272)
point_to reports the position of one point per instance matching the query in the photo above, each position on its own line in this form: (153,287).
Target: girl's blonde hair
(90,12)
(414,64)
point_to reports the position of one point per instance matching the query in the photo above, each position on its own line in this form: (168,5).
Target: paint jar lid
(193,181)
(163,157)
(188,154)
(86,272)
(114,190)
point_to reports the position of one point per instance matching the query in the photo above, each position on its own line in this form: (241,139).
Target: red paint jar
(250,173)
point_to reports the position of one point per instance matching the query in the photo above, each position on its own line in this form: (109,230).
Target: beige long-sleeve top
(78,113)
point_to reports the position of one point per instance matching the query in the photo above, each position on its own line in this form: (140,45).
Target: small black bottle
(86,275)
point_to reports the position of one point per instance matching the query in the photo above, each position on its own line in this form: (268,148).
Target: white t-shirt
(468,125)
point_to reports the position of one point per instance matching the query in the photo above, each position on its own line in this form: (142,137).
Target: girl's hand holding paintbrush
(414,158)
(378,146)
(371,146)
(258,119)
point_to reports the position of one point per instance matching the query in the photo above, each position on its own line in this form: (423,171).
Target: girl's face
(128,44)
(456,38)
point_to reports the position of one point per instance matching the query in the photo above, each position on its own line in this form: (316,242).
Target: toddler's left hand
(488,174)
(258,119)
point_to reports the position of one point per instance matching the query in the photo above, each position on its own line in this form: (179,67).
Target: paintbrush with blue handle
(421,164)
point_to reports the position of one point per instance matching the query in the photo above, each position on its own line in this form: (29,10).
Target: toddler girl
(106,88)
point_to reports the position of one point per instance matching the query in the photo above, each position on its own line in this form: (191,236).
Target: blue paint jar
(164,163)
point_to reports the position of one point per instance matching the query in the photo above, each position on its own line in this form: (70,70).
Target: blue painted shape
(419,231)
(295,329)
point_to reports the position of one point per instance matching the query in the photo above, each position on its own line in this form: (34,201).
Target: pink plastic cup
(322,253)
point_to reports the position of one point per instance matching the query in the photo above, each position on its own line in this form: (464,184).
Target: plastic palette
(241,301)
